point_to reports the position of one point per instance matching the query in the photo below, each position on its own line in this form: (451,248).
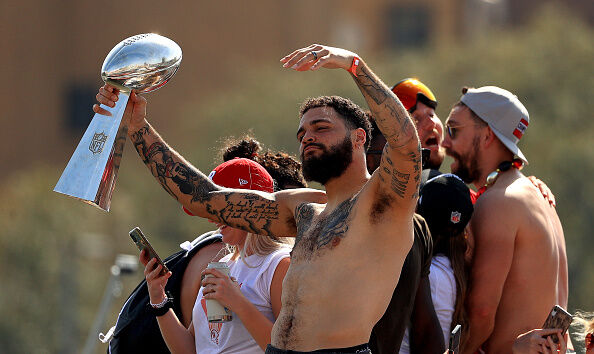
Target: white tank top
(443,294)
(233,337)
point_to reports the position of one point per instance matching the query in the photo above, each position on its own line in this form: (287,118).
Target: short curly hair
(284,169)
(352,114)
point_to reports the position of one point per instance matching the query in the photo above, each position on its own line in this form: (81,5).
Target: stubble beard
(467,168)
(331,163)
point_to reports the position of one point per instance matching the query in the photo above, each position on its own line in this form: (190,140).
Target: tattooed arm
(400,168)
(399,172)
(254,211)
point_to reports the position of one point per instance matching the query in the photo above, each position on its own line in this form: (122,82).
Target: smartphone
(558,318)
(425,153)
(454,346)
(142,243)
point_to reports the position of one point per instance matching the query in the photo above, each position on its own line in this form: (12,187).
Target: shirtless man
(347,254)
(519,269)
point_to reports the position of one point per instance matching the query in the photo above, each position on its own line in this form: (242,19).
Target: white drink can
(215,312)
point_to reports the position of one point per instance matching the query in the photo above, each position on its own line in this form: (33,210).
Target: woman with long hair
(252,292)
(444,202)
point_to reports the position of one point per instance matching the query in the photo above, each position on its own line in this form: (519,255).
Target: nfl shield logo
(97,143)
(455,218)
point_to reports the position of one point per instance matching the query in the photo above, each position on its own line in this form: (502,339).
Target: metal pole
(124,264)
(110,293)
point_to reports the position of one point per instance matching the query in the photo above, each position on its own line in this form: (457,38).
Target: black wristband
(160,311)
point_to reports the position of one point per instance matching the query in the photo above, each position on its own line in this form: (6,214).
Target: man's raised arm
(254,211)
(400,168)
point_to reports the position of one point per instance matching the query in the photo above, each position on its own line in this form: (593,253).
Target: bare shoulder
(503,208)
(283,265)
(509,192)
(208,253)
(200,260)
(296,197)
(281,269)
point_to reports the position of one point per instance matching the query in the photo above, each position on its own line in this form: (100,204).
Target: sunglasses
(452,131)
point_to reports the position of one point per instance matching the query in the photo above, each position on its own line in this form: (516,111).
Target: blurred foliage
(55,252)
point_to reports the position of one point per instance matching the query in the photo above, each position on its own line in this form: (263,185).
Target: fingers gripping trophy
(141,63)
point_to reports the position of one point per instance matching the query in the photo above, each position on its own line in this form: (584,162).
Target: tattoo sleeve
(401,159)
(176,176)
(251,211)
(391,117)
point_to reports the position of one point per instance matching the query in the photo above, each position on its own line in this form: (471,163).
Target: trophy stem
(92,171)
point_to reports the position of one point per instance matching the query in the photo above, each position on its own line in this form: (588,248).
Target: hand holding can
(215,312)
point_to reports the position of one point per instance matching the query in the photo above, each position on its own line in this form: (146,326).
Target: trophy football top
(143,63)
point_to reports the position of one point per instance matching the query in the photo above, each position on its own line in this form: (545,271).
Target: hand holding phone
(143,244)
(558,319)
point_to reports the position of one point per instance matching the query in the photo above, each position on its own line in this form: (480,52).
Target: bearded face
(466,166)
(330,162)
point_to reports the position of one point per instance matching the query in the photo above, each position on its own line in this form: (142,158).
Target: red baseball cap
(241,173)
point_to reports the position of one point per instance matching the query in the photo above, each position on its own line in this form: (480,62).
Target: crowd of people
(394,255)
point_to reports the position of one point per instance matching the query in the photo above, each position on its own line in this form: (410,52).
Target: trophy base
(91,173)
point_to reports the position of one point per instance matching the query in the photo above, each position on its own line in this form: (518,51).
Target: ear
(360,137)
(489,138)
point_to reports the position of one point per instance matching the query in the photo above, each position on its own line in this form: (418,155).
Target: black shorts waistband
(358,349)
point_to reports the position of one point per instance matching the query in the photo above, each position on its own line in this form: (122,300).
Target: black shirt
(387,334)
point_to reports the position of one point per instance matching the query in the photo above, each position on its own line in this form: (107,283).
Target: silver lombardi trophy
(142,63)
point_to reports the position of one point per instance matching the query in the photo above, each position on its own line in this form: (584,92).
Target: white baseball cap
(506,115)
